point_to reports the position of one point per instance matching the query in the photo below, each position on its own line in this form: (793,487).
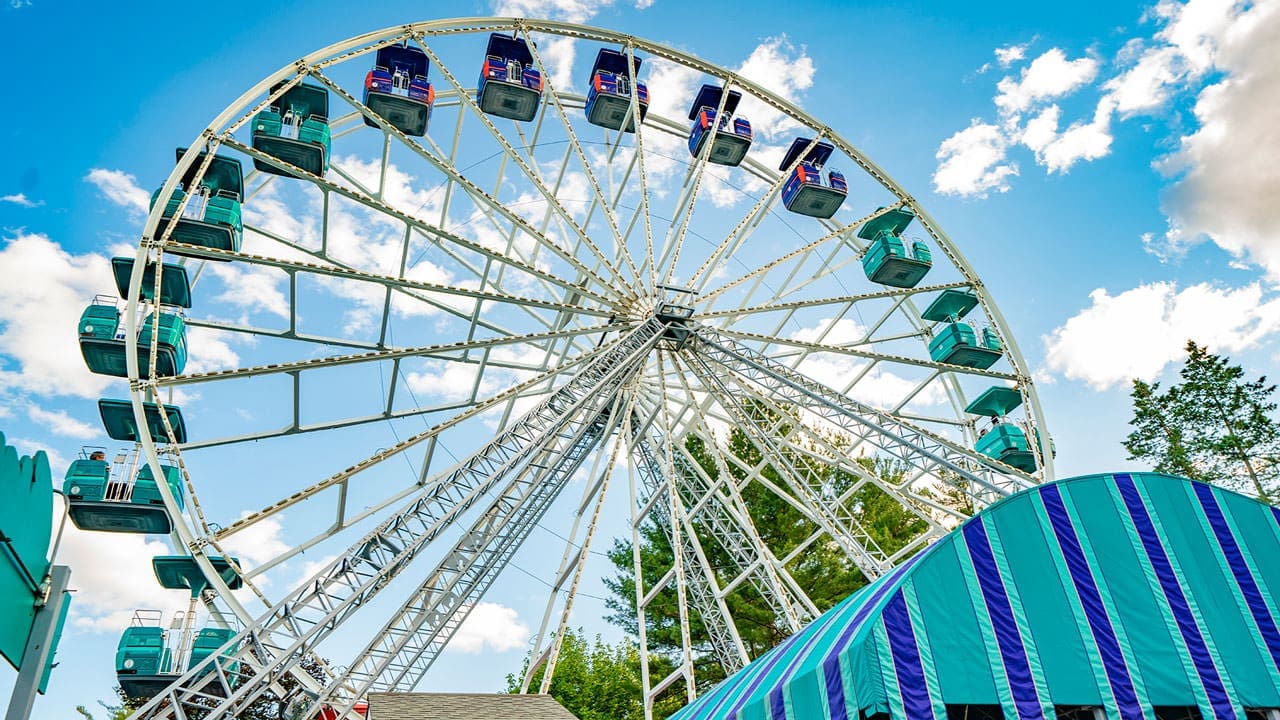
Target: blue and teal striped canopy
(1122,591)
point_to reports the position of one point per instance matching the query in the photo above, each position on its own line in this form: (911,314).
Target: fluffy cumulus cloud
(1011,54)
(490,626)
(120,188)
(1136,333)
(60,423)
(1191,41)
(258,543)
(1227,176)
(1049,76)
(45,291)
(974,162)
(112,575)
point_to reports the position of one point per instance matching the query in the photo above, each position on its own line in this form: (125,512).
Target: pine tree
(1214,426)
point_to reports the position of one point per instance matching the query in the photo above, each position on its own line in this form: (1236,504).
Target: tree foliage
(821,568)
(595,680)
(1213,425)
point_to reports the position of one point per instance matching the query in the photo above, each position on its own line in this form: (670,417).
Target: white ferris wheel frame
(198,542)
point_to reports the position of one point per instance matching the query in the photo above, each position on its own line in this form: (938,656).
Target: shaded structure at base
(465,706)
(1130,596)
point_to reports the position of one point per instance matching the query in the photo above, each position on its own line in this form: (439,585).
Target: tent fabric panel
(1093,612)
(833,670)
(1172,586)
(1225,589)
(1066,665)
(1261,529)
(1021,677)
(905,656)
(799,694)
(1145,627)
(1241,547)
(939,709)
(1214,600)
(950,623)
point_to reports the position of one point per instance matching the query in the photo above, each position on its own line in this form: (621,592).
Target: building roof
(1122,591)
(465,706)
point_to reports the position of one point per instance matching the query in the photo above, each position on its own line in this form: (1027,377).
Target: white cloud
(1137,333)
(251,287)
(45,290)
(120,188)
(112,572)
(1082,141)
(1192,41)
(21,199)
(258,543)
(779,66)
(973,162)
(209,349)
(1011,54)
(490,626)
(1184,49)
(1049,76)
(1229,179)
(61,423)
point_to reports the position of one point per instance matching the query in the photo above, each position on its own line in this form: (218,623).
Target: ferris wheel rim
(361,44)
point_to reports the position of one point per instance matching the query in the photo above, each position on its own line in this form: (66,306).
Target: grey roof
(464,706)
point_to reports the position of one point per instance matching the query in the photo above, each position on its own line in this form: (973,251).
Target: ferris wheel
(440,302)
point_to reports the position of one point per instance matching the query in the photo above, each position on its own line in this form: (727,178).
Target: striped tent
(1131,596)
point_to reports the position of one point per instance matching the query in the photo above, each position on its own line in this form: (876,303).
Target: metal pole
(40,645)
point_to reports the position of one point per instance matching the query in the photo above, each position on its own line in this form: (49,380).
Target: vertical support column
(41,645)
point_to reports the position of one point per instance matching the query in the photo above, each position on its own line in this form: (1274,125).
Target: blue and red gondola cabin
(805,193)
(510,86)
(732,134)
(609,95)
(398,91)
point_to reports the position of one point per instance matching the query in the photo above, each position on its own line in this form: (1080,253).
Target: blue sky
(1108,169)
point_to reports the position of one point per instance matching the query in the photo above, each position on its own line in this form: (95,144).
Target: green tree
(822,568)
(596,680)
(1214,425)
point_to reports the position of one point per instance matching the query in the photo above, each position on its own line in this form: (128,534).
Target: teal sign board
(26,525)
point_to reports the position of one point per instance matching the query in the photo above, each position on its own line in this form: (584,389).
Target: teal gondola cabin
(205,213)
(295,130)
(889,258)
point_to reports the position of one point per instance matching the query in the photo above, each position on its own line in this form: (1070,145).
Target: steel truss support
(936,457)
(651,464)
(226,683)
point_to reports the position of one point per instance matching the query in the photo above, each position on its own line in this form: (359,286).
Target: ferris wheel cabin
(211,215)
(397,89)
(175,286)
(102,342)
(510,86)
(732,135)
(1004,441)
(149,656)
(118,420)
(958,343)
(101,497)
(805,192)
(889,259)
(295,129)
(609,95)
